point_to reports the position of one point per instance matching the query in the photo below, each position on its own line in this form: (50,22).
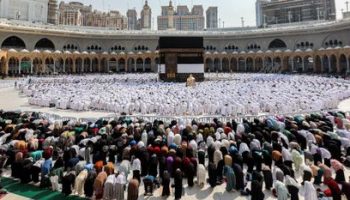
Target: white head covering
(309,192)
(243,147)
(136,164)
(121,178)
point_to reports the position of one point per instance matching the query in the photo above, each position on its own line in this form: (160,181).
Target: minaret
(170,15)
(146,16)
(52,17)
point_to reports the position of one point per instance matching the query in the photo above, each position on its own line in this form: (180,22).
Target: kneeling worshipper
(281,189)
(133,190)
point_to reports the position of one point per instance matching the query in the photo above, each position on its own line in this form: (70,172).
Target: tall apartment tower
(290,11)
(52,15)
(146,17)
(132,19)
(212,17)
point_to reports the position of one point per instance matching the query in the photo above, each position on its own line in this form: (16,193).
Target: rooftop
(14,25)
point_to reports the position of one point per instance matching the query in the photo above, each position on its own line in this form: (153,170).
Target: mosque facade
(28,48)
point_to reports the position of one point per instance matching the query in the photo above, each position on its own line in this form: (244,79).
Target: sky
(230,11)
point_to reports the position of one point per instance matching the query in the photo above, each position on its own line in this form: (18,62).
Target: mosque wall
(320,50)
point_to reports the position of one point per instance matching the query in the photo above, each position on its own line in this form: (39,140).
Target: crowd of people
(235,94)
(287,157)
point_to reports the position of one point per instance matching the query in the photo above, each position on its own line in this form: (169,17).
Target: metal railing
(150,118)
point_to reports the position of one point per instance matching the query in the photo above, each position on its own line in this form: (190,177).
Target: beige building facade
(78,14)
(181,18)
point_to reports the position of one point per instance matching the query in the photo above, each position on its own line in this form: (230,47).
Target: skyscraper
(132,19)
(182,18)
(289,11)
(52,16)
(212,17)
(146,17)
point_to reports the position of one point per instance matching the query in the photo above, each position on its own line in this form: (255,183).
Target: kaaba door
(171,65)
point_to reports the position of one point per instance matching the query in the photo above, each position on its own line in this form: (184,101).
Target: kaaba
(180,57)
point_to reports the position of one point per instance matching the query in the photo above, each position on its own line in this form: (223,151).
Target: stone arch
(277,44)
(44,44)
(287,65)
(308,64)
(26,65)
(13,42)
(318,64)
(258,64)
(139,65)
(328,41)
(131,65)
(112,65)
(249,65)
(217,66)
(79,65)
(94,47)
(268,64)
(71,46)
(225,65)
(233,65)
(59,65)
(37,65)
(94,65)
(342,64)
(325,64)
(241,64)
(209,65)
(49,66)
(277,64)
(87,65)
(69,65)
(103,65)
(148,67)
(121,64)
(3,66)
(333,62)
(298,63)
(13,66)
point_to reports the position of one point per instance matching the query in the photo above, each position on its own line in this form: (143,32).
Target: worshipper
(281,189)
(309,191)
(89,183)
(148,182)
(256,187)
(267,177)
(333,189)
(189,171)
(133,190)
(80,181)
(212,174)
(136,169)
(345,189)
(98,184)
(120,186)
(68,182)
(201,175)
(293,187)
(16,166)
(109,187)
(339,171)
(45,170)
(178,184)
(25,175)
(166,184)
(230,178)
